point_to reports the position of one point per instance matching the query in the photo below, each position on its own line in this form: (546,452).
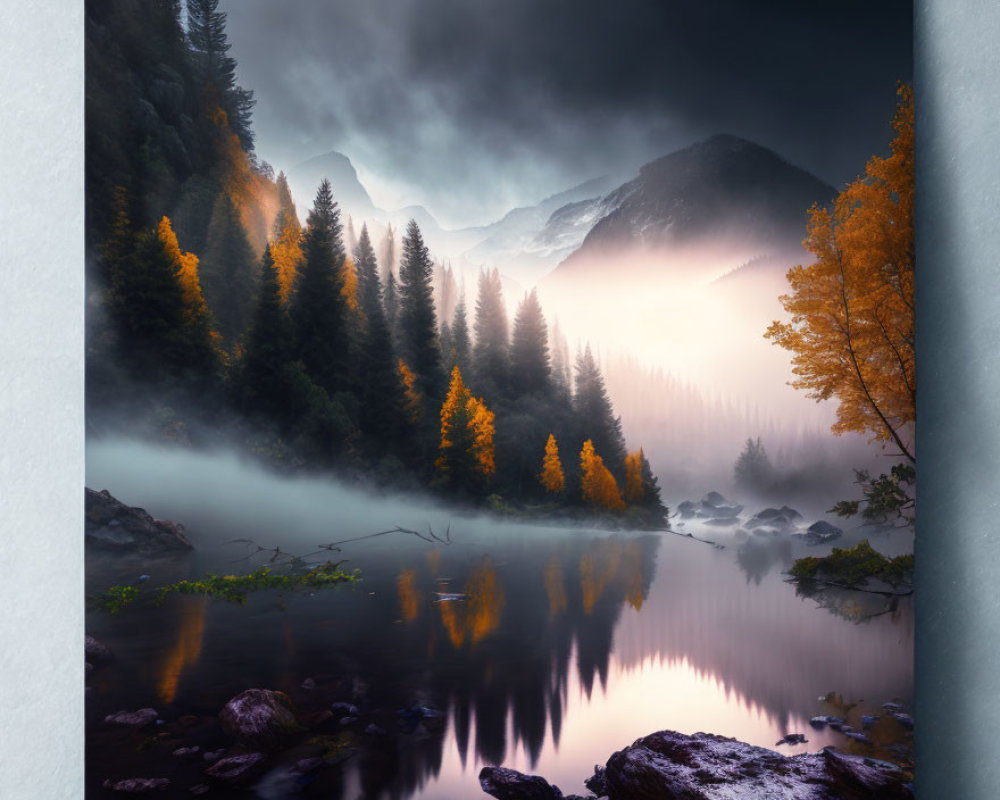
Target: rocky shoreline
(674,766)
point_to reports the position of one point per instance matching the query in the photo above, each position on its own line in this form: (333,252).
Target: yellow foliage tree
(349,291)
(286,251)
(552,476)
(185,266)
(852,311)
(467,431)
(597,483)
(414,403)
(633,477)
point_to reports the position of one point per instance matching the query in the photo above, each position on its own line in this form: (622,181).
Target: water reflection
(543,650)
(187,646)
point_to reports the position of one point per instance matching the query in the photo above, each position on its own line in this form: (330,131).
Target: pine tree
(286,240)
(264,376)
(319,308)
(529,352)
(592,405)
(207,36)
(390,302)
(753,469)
(491,353)
(146,302)
(417,318)
(634,490)
(552,477)
(446,340)
(383,415)
(460,346)
(561,378)
(227,272)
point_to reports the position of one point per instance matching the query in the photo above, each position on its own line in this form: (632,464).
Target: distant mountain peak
(720,188)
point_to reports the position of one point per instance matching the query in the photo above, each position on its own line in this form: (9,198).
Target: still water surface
(564,646)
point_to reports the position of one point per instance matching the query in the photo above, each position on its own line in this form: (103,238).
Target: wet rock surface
(260,718)
(136,785)
(673,766)
(111,525)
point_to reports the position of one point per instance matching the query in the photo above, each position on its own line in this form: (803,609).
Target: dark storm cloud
(472,106)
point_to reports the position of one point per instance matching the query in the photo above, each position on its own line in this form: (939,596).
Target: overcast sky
(471,107)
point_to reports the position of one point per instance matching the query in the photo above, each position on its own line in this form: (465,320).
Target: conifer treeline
(347,363)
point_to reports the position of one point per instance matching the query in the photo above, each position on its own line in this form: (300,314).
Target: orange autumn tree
(633,477)
(197,319)
(185,265)
(349,291)
(598,485)
(413,403)
(852,311)
(286,240)
(552,476)
(467,453)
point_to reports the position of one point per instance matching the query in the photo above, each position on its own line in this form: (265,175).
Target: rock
(138,719)
(509,784)
(903,719)
(137,785)
(304,765)
(111,525)
(237,770)
(344,709)
(708,767)
(96,652)
(686,509)
(598,782)
(715,506)
(792,738)
(856,776)
(771,520)
(821,532)
(186,753)
(260,718)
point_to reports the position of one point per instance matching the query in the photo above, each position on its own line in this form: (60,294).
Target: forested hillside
(213,316)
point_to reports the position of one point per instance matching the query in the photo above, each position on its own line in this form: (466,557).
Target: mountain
(721,190)
(530,241)
(304,179)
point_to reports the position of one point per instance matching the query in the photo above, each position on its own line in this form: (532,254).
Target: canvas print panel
(477,394)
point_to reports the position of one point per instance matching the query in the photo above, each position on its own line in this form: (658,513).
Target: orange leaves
(414,399)
(286,251)
(481,424)
(851,333)
(479,615)
(349,290)
(552,476)
(467,430)
(596,482)
(185,266)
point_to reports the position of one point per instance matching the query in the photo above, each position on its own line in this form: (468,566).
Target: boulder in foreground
(112,525)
